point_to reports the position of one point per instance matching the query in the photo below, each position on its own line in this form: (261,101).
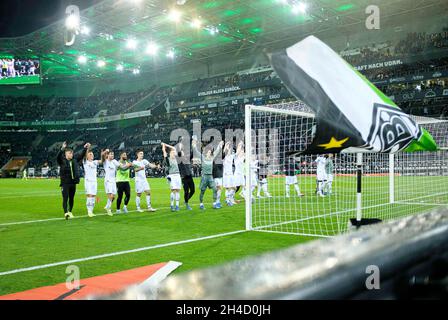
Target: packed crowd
(413,43)
(159,125)
(33,108)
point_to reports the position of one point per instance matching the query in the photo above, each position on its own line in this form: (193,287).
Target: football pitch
(37,243)
(33,234)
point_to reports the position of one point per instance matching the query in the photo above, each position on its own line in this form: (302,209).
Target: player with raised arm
(186,173)
(123,179)
(69,173)
(170,160)
(110,166)
(329,168)
(238,175)
(263,180)
(253,167)
(217,177)
(291,177)
(141,183)
(320,174)
(207,181)
(90,166)
(227,178)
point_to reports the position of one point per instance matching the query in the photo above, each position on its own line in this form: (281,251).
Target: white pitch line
(83,216)
(421,203)
(112,254)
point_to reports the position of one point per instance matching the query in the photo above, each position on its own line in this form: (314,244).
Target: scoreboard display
(19,70)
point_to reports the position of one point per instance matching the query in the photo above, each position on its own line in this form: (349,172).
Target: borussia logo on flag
(392,129)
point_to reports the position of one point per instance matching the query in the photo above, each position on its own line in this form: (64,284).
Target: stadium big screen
(19,70)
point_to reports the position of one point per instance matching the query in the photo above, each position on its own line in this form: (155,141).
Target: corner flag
(351,113)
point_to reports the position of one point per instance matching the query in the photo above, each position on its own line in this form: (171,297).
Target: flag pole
(358,188)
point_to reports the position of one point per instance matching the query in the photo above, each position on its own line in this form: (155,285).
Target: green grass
(21,80)
(329,216)
(46,242)
(38,243)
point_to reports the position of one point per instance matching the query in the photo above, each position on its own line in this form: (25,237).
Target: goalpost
(365,185)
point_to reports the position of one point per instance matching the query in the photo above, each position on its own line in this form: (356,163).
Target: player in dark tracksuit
(186,174)
(217,173)
(69,172)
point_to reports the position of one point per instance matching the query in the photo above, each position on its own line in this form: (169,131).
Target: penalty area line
(118,253)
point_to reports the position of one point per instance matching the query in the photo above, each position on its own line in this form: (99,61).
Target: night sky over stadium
(21,17)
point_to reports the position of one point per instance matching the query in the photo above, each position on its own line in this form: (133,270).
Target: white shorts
(91,187)
(141,186)
(175,181)
(228,181)
(291,180)
(239,180)
(321,176)
(253,179)
(110,187)
(218,182)
(329,177)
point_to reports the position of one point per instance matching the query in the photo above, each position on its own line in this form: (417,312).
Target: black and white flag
(352,115)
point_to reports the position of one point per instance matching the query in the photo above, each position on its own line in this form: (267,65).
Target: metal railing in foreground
(396,254)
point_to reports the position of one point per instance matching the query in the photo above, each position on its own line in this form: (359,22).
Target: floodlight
(131,44)
(82,59)
(152,48)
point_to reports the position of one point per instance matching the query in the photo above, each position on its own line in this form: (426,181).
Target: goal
(365,186)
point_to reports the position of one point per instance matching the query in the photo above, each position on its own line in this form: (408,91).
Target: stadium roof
(164,38)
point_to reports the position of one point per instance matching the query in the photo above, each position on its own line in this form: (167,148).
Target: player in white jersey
(227,178)
(253,167)
(110,166)
(238,175)
(11,70)
(263,183)
(291,168)
(329,170)
(141,183)
(320,174)
(90,167)
(171,165)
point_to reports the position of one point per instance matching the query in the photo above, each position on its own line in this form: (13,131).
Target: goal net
(286,197)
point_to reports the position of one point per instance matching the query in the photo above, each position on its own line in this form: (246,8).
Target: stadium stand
(419,86)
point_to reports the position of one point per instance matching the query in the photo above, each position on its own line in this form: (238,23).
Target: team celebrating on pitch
(222,169)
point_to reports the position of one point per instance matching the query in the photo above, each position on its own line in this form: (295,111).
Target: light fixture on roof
(196,23)
(171,54)
(85,30)
(152,48)
(175,15)
(82,59)
(120,67)
(101,63)
(72,22)
(299,8)
(136,71)
(213,30)
(131,44)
